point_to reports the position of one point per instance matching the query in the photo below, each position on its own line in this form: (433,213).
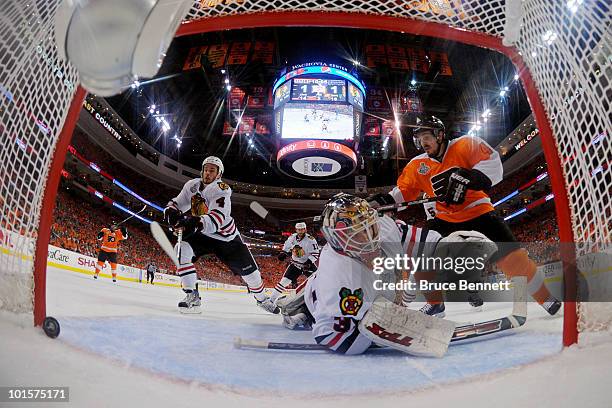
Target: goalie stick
(516,319)
(465,332)
(265,214)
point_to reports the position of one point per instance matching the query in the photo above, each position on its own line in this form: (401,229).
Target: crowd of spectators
(76,223)
(518,178)
(539,235)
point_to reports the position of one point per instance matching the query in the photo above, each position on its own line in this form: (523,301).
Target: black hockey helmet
(427,122)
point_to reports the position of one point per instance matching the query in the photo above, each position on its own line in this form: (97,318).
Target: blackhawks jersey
(110,240)
(340,293)
(211,202)
(428,175)
(303,249)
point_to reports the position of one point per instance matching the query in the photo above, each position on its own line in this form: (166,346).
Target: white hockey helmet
(216,161)
(350,225)
(300,225)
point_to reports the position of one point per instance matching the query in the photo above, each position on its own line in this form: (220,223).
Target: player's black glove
(378,199)
(190,225)
(171,215)
(124,231)
(461,181)
(282,255)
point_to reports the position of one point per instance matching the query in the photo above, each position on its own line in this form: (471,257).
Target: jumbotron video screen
(317,121)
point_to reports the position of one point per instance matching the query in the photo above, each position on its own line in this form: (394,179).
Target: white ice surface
(124,344)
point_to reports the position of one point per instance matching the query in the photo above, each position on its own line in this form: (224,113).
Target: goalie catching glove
(465,244)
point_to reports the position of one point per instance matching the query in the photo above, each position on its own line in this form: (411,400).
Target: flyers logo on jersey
(423,168)
(350,302)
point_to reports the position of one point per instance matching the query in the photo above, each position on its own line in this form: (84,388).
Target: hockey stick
(468,331)
(265,214)
(163,241)
(179,240)
(270,345)
(132,216)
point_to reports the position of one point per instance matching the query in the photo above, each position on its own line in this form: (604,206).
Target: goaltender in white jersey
(340,302)
(203,212)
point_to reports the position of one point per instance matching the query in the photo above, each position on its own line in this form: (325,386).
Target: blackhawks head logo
(198,206)
(350,302)
(298,251)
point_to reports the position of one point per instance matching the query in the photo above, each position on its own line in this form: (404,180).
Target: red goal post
(560,49)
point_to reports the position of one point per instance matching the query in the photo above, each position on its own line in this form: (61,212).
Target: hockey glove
(124,231)
(171,215)
(190,225)
(378,199)
(282,256)
(309,266)
(461,181)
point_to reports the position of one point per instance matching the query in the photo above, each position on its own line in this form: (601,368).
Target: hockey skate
(191,303)
(95,276)
(268,306)
(552,306)
(437,310)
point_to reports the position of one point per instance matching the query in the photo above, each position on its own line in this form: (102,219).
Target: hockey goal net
(561,50)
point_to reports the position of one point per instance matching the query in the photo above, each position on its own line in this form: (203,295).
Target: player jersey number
(431,211)
(343,324)
(221,202)
(110,238)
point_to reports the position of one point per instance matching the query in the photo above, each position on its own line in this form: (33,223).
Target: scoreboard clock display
(318,89)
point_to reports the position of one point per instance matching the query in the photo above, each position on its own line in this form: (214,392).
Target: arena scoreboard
(318,110)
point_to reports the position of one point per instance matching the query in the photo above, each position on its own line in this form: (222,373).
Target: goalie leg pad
(410,331)
(293,303)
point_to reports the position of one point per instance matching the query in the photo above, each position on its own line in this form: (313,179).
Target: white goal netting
(565,45)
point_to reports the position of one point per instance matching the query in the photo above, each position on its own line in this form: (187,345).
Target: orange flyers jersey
(110,240)
(426,175)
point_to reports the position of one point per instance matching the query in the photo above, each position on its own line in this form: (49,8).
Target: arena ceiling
(194,101)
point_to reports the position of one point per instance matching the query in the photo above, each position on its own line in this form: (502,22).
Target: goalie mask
(350,225)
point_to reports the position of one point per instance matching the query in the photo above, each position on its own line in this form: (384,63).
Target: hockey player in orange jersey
(110,238)
(461,171)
